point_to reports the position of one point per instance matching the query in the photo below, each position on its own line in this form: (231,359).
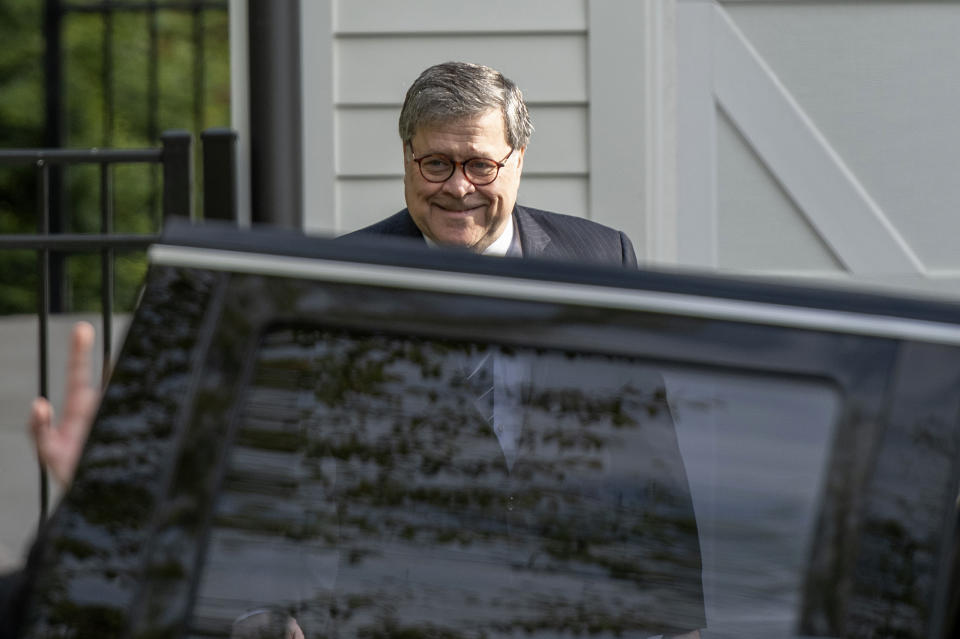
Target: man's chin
(457,231)
(458,240)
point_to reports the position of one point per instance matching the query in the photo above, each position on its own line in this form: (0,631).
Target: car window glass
(756,449)
(380,484)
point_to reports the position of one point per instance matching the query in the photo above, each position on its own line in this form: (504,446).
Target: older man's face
(456,212)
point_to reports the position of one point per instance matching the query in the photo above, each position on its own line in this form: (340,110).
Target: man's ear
(404,166)
(520,153)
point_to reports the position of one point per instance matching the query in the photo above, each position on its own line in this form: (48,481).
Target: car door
(387,441)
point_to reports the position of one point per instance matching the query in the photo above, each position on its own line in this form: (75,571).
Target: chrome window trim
(697,306)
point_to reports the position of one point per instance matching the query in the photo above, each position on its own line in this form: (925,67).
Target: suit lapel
(533,239)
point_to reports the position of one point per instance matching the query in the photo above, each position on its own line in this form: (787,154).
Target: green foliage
(21,125)
(119,91)
(21,73)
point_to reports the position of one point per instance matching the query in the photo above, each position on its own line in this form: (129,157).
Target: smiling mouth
(457,208)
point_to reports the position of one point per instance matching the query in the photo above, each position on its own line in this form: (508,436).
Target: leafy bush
(118,91)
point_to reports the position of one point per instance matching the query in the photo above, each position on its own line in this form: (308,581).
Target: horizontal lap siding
(432,16)
(379,48)
(378,69)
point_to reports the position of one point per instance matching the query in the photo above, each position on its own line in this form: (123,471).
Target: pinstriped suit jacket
(542,234)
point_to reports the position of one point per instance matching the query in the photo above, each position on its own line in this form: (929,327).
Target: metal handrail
(152,5)
(78,156)
(78,242)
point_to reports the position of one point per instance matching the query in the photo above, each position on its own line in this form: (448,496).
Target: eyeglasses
(437,168)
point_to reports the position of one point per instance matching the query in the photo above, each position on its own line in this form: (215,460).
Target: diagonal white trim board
(810,170)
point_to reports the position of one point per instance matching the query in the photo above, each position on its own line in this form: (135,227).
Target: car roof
(855,302)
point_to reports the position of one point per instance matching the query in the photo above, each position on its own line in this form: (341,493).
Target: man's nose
(458,185)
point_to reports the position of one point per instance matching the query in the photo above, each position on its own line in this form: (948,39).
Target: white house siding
(772,136)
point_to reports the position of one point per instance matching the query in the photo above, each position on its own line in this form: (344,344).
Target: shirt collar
(502,244)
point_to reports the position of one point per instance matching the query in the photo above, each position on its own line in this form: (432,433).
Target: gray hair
(455,90)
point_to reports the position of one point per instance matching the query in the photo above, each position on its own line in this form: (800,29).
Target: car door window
(383,484)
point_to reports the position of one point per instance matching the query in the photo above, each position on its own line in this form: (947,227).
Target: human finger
(41,417)
(76,402)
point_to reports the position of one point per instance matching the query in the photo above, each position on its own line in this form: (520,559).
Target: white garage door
(819,137)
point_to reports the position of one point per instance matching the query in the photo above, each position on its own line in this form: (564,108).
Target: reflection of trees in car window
(400,488)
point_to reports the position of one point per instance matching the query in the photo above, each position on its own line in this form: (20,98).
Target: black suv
(354,439)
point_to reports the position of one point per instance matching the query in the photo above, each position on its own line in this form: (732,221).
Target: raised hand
(59,446)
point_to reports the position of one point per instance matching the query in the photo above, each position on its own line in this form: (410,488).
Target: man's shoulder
(550,217)
(399,223)
(571,237)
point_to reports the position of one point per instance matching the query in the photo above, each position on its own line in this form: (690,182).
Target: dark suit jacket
(542,234)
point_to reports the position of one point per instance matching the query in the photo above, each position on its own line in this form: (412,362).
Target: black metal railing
(175,156)
(186,37)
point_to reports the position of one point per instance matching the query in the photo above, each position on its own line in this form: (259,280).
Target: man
(464,130)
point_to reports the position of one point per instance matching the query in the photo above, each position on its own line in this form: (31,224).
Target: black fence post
(177,174)
(276,166)
(219,174)
(106,266)
(53,131)
(43,311)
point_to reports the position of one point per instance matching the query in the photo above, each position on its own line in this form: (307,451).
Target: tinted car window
(756,449)
(385,484)
(369,478)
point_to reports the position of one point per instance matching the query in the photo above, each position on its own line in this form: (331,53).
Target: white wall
(820,137)
(772,136)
